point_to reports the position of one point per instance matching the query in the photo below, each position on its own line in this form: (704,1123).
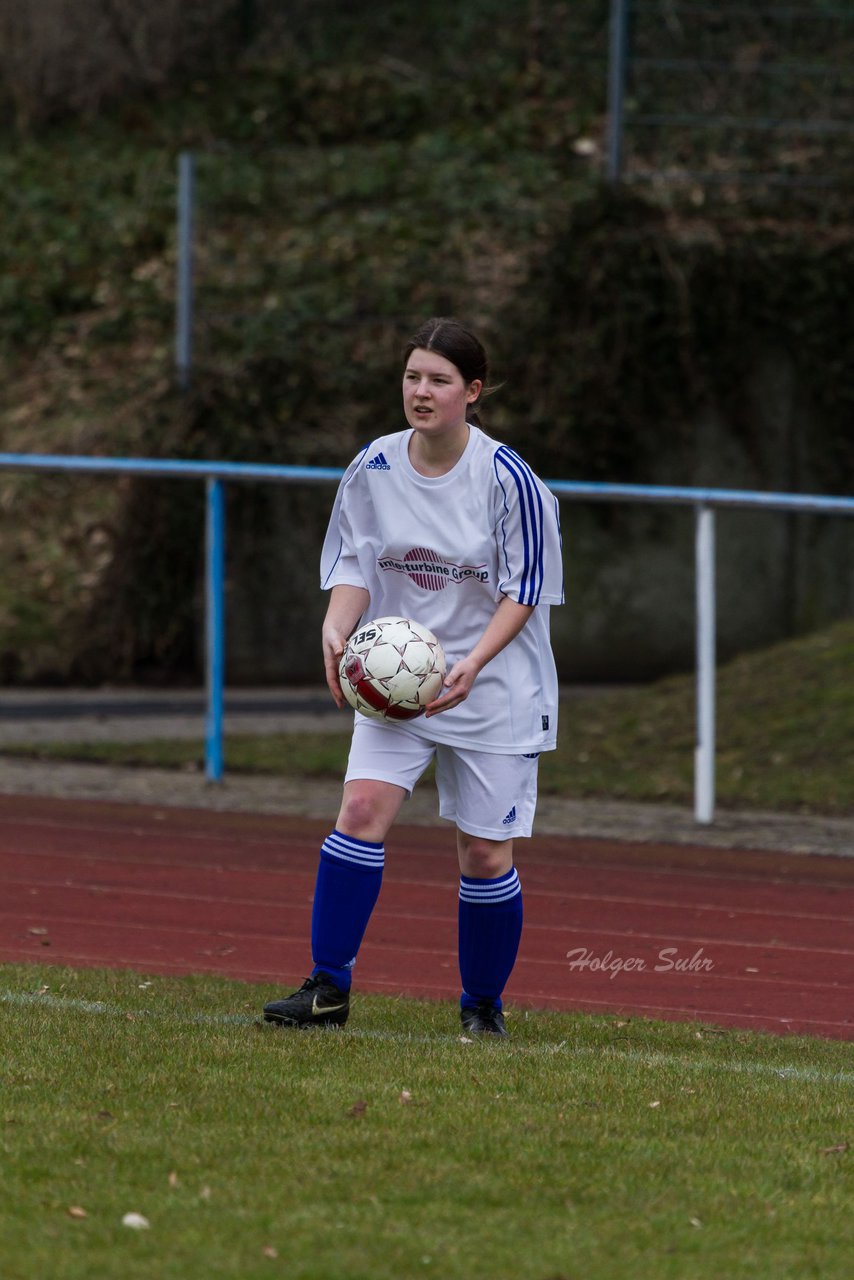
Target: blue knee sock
(490,928)
(348,884)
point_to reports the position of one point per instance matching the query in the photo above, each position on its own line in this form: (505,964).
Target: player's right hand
(346,607)
(333,647)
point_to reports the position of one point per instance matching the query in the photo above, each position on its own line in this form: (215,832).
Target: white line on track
(801,1075)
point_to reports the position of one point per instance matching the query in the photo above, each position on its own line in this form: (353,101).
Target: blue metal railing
(215,474)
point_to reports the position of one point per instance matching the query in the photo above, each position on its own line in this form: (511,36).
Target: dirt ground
(126,715)
(786,833)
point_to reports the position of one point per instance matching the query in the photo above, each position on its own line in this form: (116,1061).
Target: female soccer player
(443,525)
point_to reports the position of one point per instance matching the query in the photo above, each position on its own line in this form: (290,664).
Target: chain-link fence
(733,96)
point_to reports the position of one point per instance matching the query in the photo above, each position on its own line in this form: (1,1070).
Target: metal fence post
(184,282)
(704,755)
(703,500)
(214,626)
(618,47)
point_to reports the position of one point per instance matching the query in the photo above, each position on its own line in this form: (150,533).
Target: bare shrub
(61,57)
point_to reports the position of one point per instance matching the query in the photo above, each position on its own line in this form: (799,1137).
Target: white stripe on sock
(339,847)
(486,891)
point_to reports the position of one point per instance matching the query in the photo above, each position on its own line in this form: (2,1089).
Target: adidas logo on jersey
(377,464)
(511,817)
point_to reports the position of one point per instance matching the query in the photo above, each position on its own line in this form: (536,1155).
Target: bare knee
(358,816)
(483,859)
(368,809)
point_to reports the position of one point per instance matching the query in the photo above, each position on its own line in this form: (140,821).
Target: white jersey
(444,550)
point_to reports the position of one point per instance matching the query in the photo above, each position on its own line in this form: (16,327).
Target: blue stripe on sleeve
(523,587)
(531,513)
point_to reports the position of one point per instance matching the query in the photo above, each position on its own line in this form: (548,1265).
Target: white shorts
(487,795)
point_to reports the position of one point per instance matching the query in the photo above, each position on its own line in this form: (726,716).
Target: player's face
(435,395)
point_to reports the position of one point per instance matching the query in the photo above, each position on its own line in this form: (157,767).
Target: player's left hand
(458,686)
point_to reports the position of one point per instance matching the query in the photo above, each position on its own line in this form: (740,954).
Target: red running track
(730,938)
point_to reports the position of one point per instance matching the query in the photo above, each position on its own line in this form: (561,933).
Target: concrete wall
(629,568)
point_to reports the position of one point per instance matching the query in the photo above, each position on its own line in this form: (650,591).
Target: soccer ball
(391,668)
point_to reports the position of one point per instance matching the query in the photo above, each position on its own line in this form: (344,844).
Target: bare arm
(346,606)
(506,623)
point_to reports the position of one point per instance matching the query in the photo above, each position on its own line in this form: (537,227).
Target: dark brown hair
(452,340)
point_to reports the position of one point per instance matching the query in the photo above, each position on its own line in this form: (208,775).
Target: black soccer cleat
(318,1003)
(484,1020)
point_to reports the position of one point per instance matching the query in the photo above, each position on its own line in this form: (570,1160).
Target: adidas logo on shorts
(377,464)
(511,817)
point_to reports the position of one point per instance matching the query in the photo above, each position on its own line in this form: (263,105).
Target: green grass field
(785,737)
(586,1147)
